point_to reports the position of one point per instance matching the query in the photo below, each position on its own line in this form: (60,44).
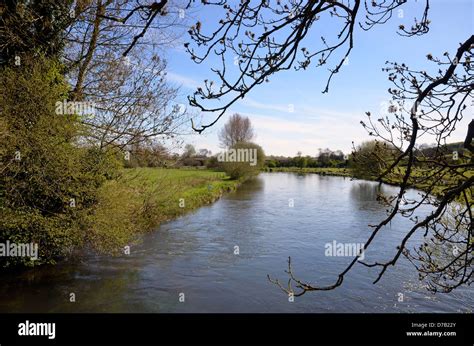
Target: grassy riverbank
(142,198)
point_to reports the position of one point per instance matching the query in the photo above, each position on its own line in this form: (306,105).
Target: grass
(142,198)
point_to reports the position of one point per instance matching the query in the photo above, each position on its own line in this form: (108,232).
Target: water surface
(194,255)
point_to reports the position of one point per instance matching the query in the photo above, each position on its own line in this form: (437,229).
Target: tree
(368,158)
(237,129)
(53,164)
(301,161)
(189,151)
(242,160)
(48,184)
(133,101)
(32,28)
(204,152)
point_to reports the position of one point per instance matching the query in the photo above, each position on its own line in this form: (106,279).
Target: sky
(291,114)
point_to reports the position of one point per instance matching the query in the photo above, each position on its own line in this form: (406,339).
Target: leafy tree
(48,183)
(245,169)
(301,161)
(32,27)
(367,159)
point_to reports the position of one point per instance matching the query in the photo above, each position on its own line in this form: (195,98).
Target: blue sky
(329,120)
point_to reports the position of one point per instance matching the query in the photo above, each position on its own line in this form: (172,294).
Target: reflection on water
(194,255)
(366,191)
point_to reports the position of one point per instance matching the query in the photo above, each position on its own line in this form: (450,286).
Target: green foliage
(29,28)
(142,198)
(301,161)
(340,172)
(212,162)
(48,183)
(148,155)
(241,169)
(325,159)
(271,164)
(370,158)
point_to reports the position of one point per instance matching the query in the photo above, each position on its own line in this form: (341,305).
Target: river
(191,264)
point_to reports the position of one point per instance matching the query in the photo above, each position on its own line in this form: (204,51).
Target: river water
(269,218)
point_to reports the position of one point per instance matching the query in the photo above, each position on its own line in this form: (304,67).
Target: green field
(141,198)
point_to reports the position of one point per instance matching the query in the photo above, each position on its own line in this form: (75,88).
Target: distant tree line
(325,158)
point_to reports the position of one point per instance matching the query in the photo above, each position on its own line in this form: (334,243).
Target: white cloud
(183,80)
(309,111)
(288,136)
(305,129)
(285,129)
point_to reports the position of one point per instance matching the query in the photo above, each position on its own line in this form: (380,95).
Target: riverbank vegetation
(340,172)
(142,198)
(369,160)
(326,158)
(79,123)
(63,185)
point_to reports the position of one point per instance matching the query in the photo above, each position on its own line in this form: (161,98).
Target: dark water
(194,255)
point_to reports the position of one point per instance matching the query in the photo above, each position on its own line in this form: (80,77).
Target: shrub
(48,182)
(370,158)
(241,167)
